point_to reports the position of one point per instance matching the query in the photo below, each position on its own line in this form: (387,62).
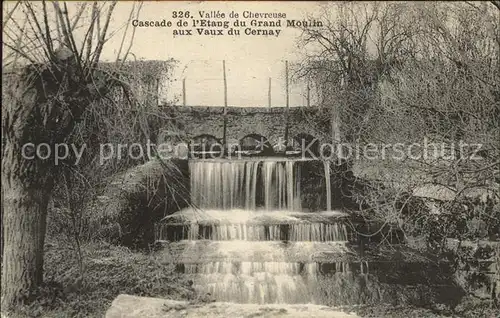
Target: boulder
(127,207)
(443,193)
(127,306)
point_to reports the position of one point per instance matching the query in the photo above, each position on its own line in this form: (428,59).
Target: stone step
(272,225)
(201,251)
(270,268)
(252,232)
(263,217)
(264,289)
(413,272)
(278,232)
(329,257)
(340,288)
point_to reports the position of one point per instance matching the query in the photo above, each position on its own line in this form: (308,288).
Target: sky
(250,60)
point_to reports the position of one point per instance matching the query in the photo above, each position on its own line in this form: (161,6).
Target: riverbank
(86,289)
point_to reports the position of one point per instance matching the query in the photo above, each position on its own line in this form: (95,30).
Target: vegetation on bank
(108,270)
(424,77)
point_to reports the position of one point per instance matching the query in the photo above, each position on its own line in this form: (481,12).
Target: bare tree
(451,94)
(357,45)
(401,72)
(52,79)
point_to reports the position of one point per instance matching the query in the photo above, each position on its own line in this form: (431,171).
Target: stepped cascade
(246,239)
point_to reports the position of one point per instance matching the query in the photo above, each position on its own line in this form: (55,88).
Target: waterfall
(326,164)
(235,185)
(247,239)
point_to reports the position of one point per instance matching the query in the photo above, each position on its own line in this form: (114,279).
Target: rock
(126,208)
(127,306)
(442,193)
(435,191)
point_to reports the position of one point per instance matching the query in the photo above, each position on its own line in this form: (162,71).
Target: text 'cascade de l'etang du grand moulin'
(215,23)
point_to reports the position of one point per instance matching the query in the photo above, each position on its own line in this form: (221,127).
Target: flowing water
(246,239)
(328,186)
(235,184)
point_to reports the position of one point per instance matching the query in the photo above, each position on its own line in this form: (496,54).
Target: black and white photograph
(336,159)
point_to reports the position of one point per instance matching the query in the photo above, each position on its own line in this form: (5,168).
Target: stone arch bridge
(269,122)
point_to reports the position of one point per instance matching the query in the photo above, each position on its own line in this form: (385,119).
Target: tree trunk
(24,226)
(335,126)
(26,185)
(41,105)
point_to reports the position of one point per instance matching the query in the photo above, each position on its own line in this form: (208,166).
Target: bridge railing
(235,84)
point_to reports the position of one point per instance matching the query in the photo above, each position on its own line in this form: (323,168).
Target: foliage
(398,72)
(80,101)
(52,81)
(405,73)
(342,289)
(445,228)
(464,219)
(124,211)
(129,115)
(110,271)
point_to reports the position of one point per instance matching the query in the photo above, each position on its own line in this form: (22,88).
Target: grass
(108,271)
(346,289)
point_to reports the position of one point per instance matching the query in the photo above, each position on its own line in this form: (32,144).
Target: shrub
(108,271)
